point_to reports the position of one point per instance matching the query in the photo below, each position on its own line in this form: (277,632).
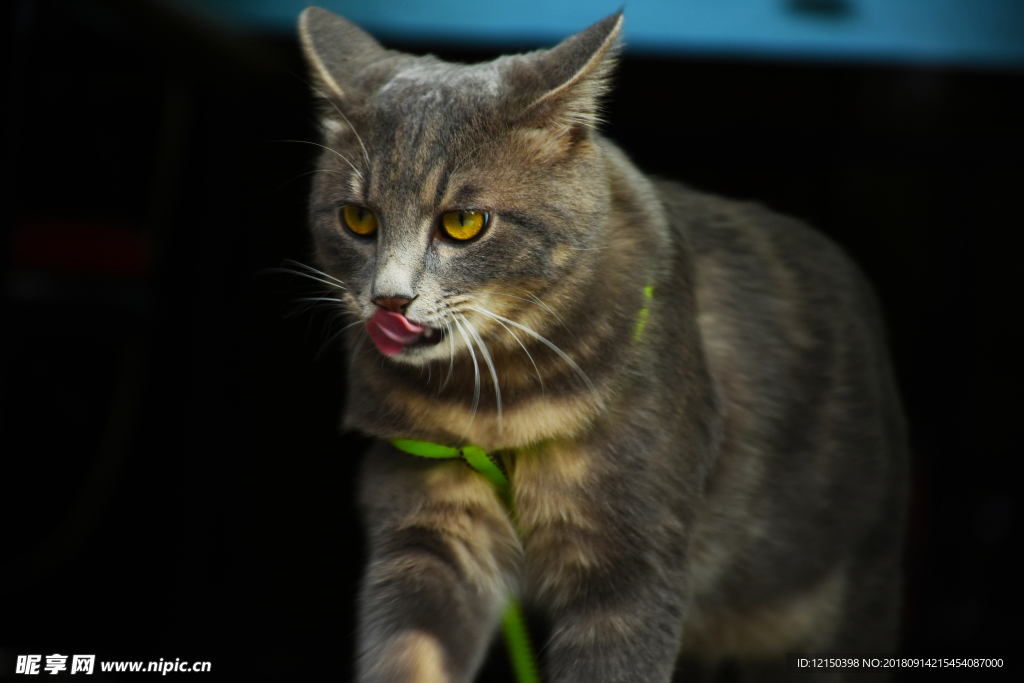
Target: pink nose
(393,305)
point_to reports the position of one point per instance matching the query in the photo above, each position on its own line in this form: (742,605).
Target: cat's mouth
(393,333)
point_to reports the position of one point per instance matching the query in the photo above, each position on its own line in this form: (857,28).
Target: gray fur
(729,487)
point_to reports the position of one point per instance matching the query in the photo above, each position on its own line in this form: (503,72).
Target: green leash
(512,624)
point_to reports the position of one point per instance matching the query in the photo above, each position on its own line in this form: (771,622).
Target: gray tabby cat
(691,396)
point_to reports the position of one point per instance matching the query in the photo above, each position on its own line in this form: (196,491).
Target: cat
(690,396)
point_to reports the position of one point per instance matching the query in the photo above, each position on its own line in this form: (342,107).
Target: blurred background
(171,478)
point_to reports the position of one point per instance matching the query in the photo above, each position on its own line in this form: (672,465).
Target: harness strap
(641,318)
(517,639)
(474,456)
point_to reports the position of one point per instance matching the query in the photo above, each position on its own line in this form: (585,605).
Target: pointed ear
(563,86)
(335,49)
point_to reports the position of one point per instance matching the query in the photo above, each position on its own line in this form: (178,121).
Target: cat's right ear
(561,89)
(335,49)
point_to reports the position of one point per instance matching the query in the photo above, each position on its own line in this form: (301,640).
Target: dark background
(172,483)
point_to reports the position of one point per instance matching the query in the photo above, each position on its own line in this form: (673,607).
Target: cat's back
(809,482)
(774,297)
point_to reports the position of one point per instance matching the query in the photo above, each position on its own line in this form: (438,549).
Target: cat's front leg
(605,560)
(442,551)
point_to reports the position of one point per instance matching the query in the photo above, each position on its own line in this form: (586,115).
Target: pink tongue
(392,331)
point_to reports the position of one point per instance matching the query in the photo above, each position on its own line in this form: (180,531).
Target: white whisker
(565,357)
(451,352)
(319,298)
(532,300)
(547,308)
(289,271)
(314,271)
(476,376)
(490,364)
(304,174)
(536,369)
(354,131)
(333,151)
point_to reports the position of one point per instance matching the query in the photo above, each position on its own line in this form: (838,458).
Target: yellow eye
(463,225)
(359,220)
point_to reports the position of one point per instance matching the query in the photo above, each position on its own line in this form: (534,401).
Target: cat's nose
(392,304)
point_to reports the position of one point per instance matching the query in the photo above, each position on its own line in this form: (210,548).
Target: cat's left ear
(336,49)
(561,88)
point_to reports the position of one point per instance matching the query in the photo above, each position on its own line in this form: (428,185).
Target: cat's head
(456,202)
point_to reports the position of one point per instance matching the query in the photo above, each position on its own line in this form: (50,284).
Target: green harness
(516,636)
